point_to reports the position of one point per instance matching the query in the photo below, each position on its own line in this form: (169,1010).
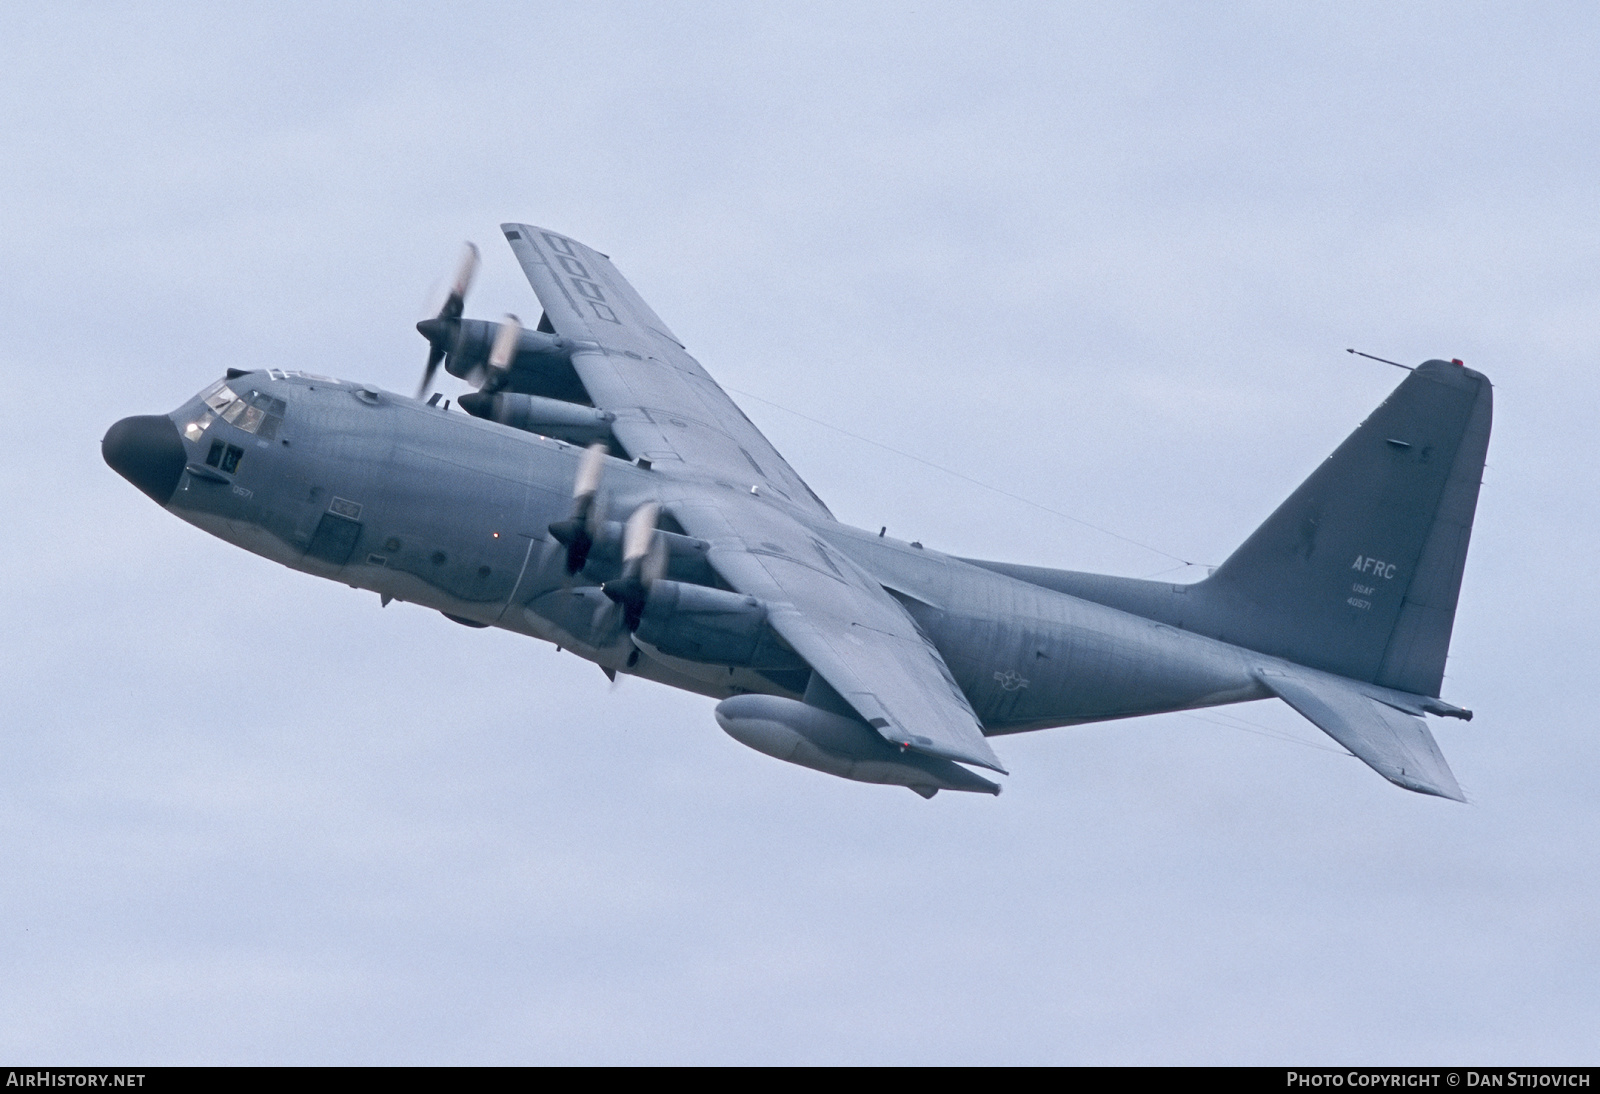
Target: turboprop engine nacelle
(703,624)
(571,422)
(469,343)
(819,739)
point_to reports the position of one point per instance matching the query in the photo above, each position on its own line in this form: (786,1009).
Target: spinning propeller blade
(639,534)
(577,532)
(643,561)
(437,330)
(505,348)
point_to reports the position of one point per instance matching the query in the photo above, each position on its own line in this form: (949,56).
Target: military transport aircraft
(601,492)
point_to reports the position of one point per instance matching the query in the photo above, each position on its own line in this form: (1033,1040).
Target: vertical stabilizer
(1358,572)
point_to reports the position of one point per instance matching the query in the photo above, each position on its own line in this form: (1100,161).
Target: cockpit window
(224,456)
(272,415)
(218,395)
(255,412)
(250,420)
(197,428)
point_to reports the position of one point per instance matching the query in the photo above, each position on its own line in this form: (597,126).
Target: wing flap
(895,683)
(847,629)
(1395,744)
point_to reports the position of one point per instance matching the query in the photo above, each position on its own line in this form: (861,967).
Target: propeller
(436,330)
(577,532)
(501,354)
(644,561)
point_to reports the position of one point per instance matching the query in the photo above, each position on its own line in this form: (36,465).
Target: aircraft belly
(251,537)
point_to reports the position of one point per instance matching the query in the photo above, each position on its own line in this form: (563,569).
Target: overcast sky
(1107,258)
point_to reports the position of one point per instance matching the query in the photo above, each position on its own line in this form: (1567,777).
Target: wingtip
(993,761)
(1443,786)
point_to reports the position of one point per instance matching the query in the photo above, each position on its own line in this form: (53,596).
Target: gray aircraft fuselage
(708,564)
(437,508)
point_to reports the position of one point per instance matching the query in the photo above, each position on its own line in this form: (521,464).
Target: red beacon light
(1458,362)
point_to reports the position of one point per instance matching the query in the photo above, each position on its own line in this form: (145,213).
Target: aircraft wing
(1393,743)
(846,627)
(667,408)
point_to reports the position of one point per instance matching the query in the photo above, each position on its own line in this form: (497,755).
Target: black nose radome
(148,452)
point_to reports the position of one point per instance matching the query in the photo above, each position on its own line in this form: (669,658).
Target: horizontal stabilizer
(1396,745)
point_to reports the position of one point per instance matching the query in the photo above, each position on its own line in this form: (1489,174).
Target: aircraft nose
(147,450)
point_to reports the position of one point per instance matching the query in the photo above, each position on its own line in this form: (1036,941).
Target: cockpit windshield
(254,412)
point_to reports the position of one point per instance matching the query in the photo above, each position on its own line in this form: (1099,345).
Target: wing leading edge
(667,407)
